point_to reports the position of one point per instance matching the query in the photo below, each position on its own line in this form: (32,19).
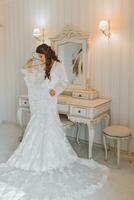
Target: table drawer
(82,95)
(76,111)
(23,102)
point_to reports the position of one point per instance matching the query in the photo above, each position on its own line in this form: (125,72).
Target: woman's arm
(26,71)
(29,75)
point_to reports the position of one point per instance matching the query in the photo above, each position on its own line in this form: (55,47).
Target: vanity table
(79,101)
(85,111)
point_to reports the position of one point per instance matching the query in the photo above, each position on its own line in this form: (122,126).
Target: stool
(118,133)
(68,123)
(65,121)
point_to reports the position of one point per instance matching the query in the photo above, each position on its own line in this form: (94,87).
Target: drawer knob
(78,111)
(80,95)
(25,102)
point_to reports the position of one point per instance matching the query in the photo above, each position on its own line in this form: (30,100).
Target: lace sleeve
(26,72)
(62,80)
(29,77)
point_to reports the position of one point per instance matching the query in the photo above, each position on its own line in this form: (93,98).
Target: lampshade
(36,32)
(103,25)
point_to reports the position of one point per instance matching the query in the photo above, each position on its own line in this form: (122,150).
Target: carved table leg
(106,124)
(91,138)
(75,129)
(107,120)
(78,132)
(20,120)
(105,146)
(19,117)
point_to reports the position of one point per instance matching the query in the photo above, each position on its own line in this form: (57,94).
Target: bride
(44,166)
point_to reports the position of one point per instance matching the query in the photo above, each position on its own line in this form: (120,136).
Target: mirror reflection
(71,54)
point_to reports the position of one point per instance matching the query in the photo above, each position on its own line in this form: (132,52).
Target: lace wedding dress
(44,166)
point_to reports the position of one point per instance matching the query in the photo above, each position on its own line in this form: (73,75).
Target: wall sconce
(39,34)
(104,26)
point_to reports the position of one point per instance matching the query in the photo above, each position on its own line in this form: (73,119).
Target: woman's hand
(52,92)
(28,65)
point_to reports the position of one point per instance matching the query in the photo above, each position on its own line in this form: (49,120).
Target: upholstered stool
(69,124)
(117,133)
(66,122)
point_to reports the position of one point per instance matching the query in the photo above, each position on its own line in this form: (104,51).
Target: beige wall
(112,61)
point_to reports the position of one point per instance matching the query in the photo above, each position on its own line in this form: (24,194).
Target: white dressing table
(86,111)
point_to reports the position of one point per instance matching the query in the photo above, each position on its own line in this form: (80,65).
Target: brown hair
(50,56)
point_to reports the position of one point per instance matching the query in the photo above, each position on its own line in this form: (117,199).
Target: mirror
(71,56)
(71,47)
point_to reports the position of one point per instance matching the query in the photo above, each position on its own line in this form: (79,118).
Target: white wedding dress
(44,166)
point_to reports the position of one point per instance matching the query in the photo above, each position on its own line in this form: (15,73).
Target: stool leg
(118,152)
(115,146)
(129,149)
(105,146)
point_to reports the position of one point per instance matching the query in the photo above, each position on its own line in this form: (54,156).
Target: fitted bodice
(38,87)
